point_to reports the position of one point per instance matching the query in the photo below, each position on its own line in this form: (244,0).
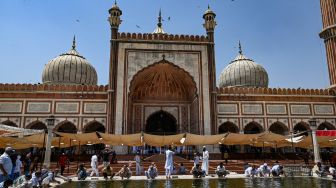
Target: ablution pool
(288,182)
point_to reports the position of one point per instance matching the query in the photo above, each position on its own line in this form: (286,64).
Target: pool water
(295,182)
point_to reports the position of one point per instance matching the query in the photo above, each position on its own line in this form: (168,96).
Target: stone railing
(51,88)
(164,37)
(274,91)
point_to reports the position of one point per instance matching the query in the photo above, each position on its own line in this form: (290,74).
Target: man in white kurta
(94,165)
(205,162)
(169,162)
(137,164)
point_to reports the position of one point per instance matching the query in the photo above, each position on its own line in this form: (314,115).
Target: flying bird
(137,26)
(77,20)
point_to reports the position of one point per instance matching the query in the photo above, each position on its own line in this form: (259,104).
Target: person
(17,169)
(94,165)
(205,162)
(246,165)
(220,170)
(318,169)
(7,183)
(226,157)
(197,172)
(47,180)
(125,172)
(250,171)
(196,158)
(6,164)
(169,165)
(81,172)
(114,157)
(277,170)
(182,169)
(106,157)
(108,171)
(36,179)
(152,172)
(22,181)
(137,164)
(263,170)
(332,172)
(26,164)
(35,163)
(63,160)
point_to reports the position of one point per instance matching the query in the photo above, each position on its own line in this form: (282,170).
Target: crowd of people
(324,170)
(17,171)
(24,172)
(264,170)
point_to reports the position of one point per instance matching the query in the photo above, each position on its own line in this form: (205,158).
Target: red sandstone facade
(155,76)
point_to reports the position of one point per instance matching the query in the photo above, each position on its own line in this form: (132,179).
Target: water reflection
(209,183)
(221,183)
(168,184)
(196,183)
(151,183)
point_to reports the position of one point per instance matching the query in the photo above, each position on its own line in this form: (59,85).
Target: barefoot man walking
(169,162)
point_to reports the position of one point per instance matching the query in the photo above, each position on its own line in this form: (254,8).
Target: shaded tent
(157,140)
(80,139)
(193,139)
(115,140)
(6,130)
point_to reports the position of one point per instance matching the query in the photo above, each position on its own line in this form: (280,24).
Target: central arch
(161,123)
(163,87)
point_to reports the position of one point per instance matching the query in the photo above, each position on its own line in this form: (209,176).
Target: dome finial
(115,2)
(74,43)
(240,49)
(159,19)
(159,29)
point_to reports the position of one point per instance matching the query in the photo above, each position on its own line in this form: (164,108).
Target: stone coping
(233,175)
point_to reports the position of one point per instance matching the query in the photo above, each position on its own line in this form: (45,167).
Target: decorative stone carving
(67,107)
(94,108)
(300,109)
(252,109)
(38,107)
(228,108)
(10,107)
(324,109)
(276,109)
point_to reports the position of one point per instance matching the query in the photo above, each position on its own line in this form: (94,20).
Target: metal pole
(293,147)
(48,148)
(79,147)
(68,158)
(43,148)
(59,150)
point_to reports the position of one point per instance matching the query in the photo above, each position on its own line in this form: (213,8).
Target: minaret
(115,21)
(209,25)
(328,9)
(159,29)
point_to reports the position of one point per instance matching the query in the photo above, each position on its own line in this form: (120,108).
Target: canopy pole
(43,148)
(78,157)
(293,149)
(263,151)
(59,151)
(69,160)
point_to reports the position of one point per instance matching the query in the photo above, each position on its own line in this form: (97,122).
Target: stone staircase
(233,165)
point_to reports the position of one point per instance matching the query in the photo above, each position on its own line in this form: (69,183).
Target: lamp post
(50,126)
(313,127)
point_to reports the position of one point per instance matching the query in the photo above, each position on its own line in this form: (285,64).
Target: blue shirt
(6,162)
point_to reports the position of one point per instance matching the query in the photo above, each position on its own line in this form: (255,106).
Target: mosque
(165,84)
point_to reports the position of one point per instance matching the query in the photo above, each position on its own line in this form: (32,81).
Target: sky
(281,35)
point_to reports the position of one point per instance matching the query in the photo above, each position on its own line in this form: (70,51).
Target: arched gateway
(161,123)
(163,100)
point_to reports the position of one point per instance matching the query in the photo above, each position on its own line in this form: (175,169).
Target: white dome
(69,68)
(243,72)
